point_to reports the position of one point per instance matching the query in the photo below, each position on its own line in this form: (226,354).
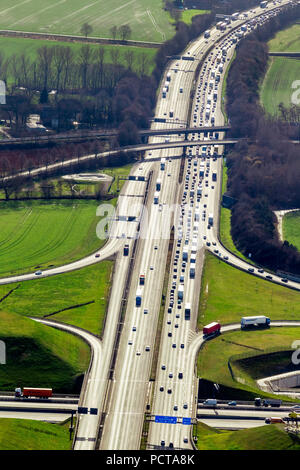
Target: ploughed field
(38,235)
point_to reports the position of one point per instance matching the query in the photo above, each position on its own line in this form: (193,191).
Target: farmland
(282,72)
(42,234)
(277,85)
(148,23)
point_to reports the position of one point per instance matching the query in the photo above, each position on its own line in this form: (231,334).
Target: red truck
(212,329)
(33,392)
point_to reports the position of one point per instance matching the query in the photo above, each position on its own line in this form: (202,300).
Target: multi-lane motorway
(186,200)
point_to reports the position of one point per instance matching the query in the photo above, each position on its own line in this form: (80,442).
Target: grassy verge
(24,434)
(227,294)
(225,223)
(272,437)
(39,356)
(42,297)
(224,89)
(187,15)
(239,358)
(291,228)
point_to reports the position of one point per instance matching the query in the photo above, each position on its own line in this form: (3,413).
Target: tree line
(264,173)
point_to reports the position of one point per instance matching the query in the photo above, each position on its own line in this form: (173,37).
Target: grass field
(270,437)
(17,46)
(291,228)
(44,296)
(214,357)
(187,15)
(26,434)
(46,233)
(277,85)
(148,20)
(228,294)
(40,356)
(287,40)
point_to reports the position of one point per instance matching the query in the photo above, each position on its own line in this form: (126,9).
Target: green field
(287,40)
(45,234)
(40,356)
(228,294)
(270,437)
(291,228)
(148,21)
(243,349)
(187,15)
(26,434)
(277,85)
(47,295)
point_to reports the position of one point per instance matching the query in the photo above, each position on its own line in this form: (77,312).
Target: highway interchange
(121,390)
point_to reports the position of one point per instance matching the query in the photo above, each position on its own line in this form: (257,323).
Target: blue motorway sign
(166,419)
(187,421)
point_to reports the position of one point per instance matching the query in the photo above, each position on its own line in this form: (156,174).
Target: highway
(123,398)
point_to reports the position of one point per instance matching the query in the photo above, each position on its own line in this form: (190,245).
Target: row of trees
(263,173)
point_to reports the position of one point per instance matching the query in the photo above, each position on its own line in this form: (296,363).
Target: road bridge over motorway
(79,136)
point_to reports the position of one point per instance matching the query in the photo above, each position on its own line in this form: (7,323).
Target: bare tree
(86,29)
(125,32)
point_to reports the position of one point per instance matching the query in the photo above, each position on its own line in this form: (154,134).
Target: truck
(138,298)
(202,170)
(33,392)
(221,68)
(180,292)
(187,311)
(207,33)
(235,16)
(272,402)
(192,272)
(142,279)
(193,259)
(168,77)
(158,185)
(210,402)
(162,163)
(126,250)
(212,329)
(263,4)
(156,197)
(164,92)
(218,25)
(250,322)
(211,219)
(214,176)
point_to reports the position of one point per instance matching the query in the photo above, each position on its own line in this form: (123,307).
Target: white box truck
(259,321)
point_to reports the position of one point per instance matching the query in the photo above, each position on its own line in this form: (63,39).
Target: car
(162,443)
(145,311)
(147,348)
(251,270)
(171,445)
(155,247)
(97,255)
(138,353)
(269,277)
(151,268)
(185,440)
(261,271)
(130,342)
(169,334)
(295,407)
(173,345)
(284,279)
(38,273)
(185,406)
(182,345)
(169,391)
(231,403)
(170,375)
(161,389)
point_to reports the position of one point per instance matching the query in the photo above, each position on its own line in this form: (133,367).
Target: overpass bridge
(79,136)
